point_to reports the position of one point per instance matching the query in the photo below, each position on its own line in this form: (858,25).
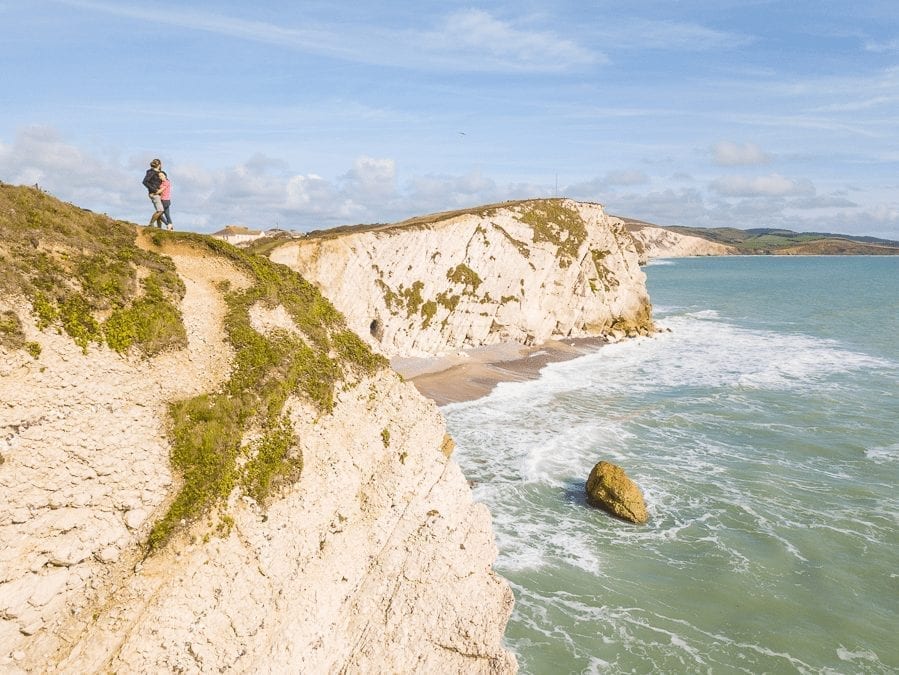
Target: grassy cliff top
(778,241)
(84,274)
(483,211)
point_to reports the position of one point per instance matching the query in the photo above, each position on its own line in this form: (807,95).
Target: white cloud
(443,192)
(501,45)
(596,189)
(371,179)
(259,192)
(671,36)
(727,153)
(263,192)
(467,40)
(882,47)
(772,185)
(625,177)
(663,207)
(884,214)
(39,155)
(812,202)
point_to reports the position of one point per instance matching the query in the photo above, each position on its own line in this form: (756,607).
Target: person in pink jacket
(165,193)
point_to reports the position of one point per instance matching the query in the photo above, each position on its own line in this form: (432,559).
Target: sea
(762,425)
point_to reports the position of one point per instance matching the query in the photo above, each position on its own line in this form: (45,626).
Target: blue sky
(311,114)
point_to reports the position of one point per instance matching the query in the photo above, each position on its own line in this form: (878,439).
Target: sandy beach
(473,373)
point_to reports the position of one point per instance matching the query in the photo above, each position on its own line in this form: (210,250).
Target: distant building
(237,234)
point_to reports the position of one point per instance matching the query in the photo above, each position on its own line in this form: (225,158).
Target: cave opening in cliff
(376,328)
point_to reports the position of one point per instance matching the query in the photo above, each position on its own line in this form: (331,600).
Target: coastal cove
(762,430)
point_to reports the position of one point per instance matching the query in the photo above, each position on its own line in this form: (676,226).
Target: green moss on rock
(412,297)
(463,275)
(448,301)
(428,311)
(557,224)
(12,334)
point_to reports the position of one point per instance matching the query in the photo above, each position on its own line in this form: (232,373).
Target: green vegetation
(385,437)
(462,274)
(12,335)
(208,429)
(428,311)
(411,297)
(84,274)
(265,245)
(391,299)
(273,463)
(520,245)
(603,273)
(775,241)
(448,301)
(557,224)
(599,256)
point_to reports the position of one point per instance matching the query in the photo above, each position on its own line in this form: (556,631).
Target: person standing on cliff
(165,194)
(153,182)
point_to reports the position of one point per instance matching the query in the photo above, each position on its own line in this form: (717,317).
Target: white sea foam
(884,454)
(761,462)
(859,655)
(704,351)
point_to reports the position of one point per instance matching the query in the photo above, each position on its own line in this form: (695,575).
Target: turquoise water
(764,432)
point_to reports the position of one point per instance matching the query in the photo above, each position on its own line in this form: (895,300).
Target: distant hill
(774,241)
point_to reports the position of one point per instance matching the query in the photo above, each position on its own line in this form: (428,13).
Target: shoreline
(474,373)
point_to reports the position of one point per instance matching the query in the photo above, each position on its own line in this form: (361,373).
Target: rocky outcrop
(374,559)
(520,272)
(609,488)
(657,242)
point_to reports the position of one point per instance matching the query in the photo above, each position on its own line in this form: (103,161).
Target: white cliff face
(658,242)
(521,272)
(375,560)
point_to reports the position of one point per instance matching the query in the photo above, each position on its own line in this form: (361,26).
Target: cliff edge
(203,470)
(657,242)
(522,272)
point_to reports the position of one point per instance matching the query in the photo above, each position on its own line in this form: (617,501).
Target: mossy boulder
(609,488)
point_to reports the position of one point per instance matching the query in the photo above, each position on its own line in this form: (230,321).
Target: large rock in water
(608,487)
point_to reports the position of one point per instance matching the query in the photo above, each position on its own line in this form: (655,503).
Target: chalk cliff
(657,242)
(361,551)
(521,272)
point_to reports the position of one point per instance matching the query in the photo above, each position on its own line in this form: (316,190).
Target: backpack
(152,181)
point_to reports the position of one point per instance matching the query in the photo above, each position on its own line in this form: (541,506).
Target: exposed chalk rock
(657,242)
(522,272)
(375,560)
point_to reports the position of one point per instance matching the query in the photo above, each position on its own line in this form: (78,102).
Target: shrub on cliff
(83,274)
